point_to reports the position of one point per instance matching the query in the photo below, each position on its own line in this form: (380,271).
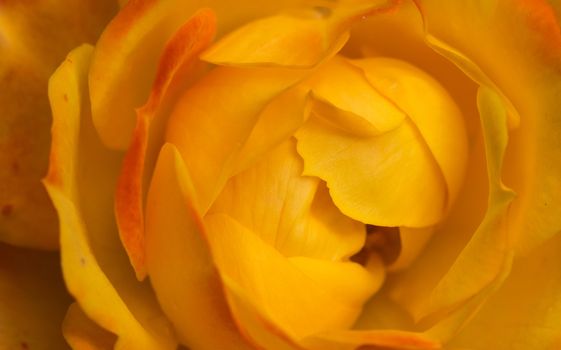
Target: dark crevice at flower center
(383,241)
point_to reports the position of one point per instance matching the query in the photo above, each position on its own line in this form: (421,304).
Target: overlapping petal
(179,263)
(290,212)
(81,333)
(177,68)
(525,38)
(299,38)
(132,43)
(214,118)
(94,264)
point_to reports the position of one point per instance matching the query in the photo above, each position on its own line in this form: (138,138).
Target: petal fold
(177,68)
(179,262)
(94,265)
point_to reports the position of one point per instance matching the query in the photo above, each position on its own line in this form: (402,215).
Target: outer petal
(32,299)
(525,37)
(179,262)
(132,44)
(485,261)
(81,333)
(33,40)
(94,266)
(176,69)
(525,313)
(299,38)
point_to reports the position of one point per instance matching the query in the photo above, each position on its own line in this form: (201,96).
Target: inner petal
(290,212)
(387,180)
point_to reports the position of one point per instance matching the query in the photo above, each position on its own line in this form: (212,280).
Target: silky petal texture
(81,333)
(33,299)
(526,35)
(282,116)
(213,119)
(93,262)
(437,117)
(179,262)
(33,40)
(126,57)
(279,288)
(287,210)
(177,66)
(370,38)
(345,87)
(488,253)
(376,180)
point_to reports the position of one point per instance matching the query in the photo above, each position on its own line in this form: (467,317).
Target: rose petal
(277,122)
(345,87)
(534,321)
(437,117)
(81,333)
(179,262)
(33,40)
(300,38)
(94,264)
(176,68)
(133,43)
(278,288)
(376,179)
(214,118)
(525,38)
(32,299)
(287,210)
(386,339)
(487,254)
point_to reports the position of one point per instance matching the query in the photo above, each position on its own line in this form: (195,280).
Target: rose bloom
(291,174)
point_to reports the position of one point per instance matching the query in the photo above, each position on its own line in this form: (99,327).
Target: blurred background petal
(34,37)
(33,299)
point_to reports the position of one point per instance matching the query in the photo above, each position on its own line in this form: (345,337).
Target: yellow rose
(323,175)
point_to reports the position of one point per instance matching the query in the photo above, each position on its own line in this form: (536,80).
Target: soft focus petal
(33,40)
(32,299)
(525,37)
(412,242)
(214,118)
(525,313)
(179,263)
(360,339)
(487,255)
(176,69)
(94,265)
(81,333)
(386,180)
